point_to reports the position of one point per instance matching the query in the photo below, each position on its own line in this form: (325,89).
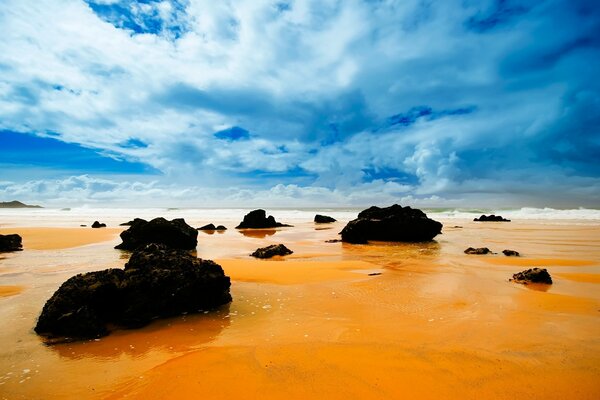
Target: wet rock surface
(12,242)
(176,234)
(491,218)
(478,250)
(258,219)
(533,275)
(511,253)
(394,224)
(97,224)
(272,250)
(212,227)
(156,282)
(324,219)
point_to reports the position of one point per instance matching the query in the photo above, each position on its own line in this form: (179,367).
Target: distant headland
(16,204)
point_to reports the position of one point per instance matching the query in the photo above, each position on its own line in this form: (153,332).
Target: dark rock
(258,219)
(479,250)
(374,273)
(129,223)
(209,227)
(491,218)
(97,224)
(323,219)
(176,234)
(11,242)
(272,250)
(534,275)
(221,228)
(83,225)
(333,241)
(511,253)
(394,223)
(156,282)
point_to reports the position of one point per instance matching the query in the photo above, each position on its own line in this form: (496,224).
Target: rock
(534,275)
(333,241)
(97,224)
(374,273)
(511,253)
(258,219)
(491,218)
(16,204)
(11,242)
(83,225)
(323,219)
(209,227)
(479,250)
(133,221)
(176,234)
(394,223)
(156,282)
(272,250)
(221,228)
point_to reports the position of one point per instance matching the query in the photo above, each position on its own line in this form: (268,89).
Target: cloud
(455,99)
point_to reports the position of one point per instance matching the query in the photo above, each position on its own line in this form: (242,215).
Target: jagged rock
(533,275)
(133,221)
(491,218)
(12,242)
(209,227)
(221,228)
(394,223)
(478,250)
(156,282)
(511,253)
(97,224)
(272,250)
(258,219)
(323,219)
(176,234)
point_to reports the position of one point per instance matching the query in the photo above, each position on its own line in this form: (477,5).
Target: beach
(332,320)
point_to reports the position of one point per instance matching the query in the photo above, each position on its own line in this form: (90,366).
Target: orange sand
(435,324)
(61,238)
(7,290)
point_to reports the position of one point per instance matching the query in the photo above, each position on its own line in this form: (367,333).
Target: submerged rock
(97,224)
(258,219)
(491,218)
(209,227)
(272,250)
(533,275)
(12,242)
(511,253)
(156,282)
(176,234)
(394,223)
(323,219)
(478,250)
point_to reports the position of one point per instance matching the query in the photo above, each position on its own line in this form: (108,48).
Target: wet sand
(435,324)
(61,238)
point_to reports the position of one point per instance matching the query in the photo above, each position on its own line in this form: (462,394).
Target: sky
(300,103)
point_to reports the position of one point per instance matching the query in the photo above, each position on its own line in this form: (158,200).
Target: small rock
(374,273)
(479,250)
(221,228)
(272,250)
(533,275)
(209,227)
(97,224)
(333,241)
(12,242)
(323,219)
(491,218)
(258,219)
(511,253)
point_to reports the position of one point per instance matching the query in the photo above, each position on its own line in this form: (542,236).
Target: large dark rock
(133,221)
(157,282)
(394,223)
(97,224)
(272,250)
(323,219)
(478,250)
(11,242)
(176,234)
(491,218)
(533,275)
(258,219)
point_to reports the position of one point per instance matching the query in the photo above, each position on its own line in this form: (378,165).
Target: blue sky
(299,103)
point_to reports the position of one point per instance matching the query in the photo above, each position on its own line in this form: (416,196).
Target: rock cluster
(11,242)
(97,224)
(258,219)
(323,219)
(156,282)
(478,250)
(176,234)
(272,250)
(491,218)
(394,223)
(533,275)
(212,227)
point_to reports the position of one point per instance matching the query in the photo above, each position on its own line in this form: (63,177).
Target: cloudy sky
(457,103)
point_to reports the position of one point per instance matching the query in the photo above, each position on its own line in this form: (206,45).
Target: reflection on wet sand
(257,233)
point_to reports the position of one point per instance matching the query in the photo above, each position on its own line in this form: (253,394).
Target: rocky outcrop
(323,219)
(478,250)
(272,250)
(533,275)
(491,218)
(212,227)
(176,234)
(258,219)
(97,224)
(11,242)
(156,282)
(511,253)
(394,223)
(16,204)
(133,221)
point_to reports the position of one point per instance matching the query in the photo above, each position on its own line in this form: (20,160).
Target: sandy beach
(432,323)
